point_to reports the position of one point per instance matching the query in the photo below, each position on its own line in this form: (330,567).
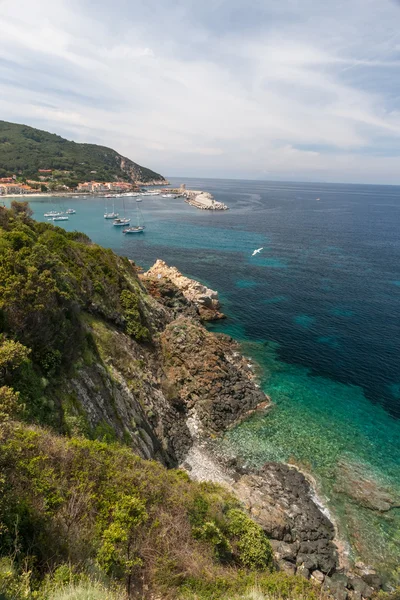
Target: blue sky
(288,89)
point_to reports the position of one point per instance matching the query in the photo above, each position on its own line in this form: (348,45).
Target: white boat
(121,222)
(168,196)
(61,218)
(70,211)
(53,213)
(139,227)
(111,215)
(134,229)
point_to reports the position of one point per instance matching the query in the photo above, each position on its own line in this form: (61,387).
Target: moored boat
(135,229)
(53,213)
(139,227)
(121,222)
(111,215)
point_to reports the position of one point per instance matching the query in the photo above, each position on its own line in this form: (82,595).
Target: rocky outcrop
(280,499)
(170,296)
(147,394)
(207,376)
(205,299)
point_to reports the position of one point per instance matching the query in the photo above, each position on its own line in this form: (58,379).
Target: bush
(253,547)
(133,319)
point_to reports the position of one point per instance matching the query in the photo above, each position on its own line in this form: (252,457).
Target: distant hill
(24,150)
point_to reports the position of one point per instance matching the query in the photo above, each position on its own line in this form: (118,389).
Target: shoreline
(286,502)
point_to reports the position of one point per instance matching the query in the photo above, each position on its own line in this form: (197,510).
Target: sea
(317,312)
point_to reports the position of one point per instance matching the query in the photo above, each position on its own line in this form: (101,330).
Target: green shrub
(133,319)
(9,404)
(12,585)
(253,547)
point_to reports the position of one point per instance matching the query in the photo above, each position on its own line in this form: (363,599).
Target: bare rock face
(170,296)
(205,299)
(206,376)
(119,390)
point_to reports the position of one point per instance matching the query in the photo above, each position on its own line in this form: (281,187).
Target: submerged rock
(359,484)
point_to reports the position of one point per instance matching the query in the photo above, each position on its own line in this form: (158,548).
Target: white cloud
(218,88)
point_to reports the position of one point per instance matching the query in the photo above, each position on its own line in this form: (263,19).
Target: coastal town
(46,184)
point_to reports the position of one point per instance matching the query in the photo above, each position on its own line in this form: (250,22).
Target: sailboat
(111,215)
(139,228)
(122,222)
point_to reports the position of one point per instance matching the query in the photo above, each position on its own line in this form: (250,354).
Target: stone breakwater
(200,199)
(205,300)
(203,200)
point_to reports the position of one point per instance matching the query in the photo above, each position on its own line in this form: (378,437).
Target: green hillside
(24,150)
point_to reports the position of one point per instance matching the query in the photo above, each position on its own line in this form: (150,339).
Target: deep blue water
(318,309)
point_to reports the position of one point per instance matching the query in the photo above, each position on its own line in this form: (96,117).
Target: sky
(303,90)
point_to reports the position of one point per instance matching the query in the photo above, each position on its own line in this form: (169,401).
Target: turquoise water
(318,309)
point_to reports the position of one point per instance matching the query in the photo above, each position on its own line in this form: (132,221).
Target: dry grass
(85,591)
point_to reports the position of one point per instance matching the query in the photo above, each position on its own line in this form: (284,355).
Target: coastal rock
(373,581)
(120,394)
(302,571)
(285,551)
(285,566)
(170,296)
(361,587)
(317,577)
(206,376)
(279,498)
(336,586)
(205,299)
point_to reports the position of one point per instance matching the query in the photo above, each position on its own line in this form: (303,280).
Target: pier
(199,199)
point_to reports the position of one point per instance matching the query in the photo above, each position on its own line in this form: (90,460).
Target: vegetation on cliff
(24,150)
(81,514)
